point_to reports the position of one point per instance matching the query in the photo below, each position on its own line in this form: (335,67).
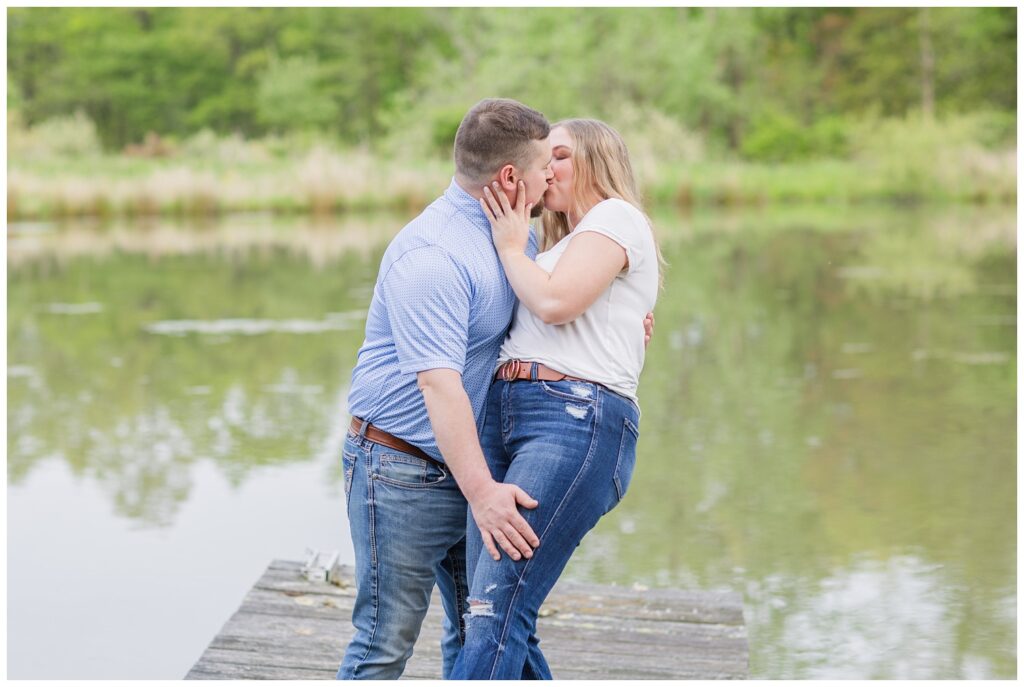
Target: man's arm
(428,296)
(493,503)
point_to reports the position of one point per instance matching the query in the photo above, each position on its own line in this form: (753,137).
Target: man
(440,310)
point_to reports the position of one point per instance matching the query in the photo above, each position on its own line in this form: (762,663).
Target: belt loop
(533,372)
(362,430)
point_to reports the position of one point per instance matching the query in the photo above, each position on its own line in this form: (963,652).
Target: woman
(561,419)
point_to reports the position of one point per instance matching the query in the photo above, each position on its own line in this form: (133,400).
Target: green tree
(291,95)
(727,73)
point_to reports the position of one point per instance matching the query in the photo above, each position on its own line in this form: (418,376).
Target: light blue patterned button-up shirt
(441,301)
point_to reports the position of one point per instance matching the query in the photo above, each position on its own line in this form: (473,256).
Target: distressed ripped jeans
(572,446)
(408,522)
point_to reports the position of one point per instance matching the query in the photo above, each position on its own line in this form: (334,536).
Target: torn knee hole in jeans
(480,608)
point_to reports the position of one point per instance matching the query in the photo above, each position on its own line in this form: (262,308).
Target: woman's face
(558,197)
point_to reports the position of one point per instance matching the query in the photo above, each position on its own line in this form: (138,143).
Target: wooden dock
(291,628)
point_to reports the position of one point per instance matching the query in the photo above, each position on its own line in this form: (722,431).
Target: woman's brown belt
(520,369)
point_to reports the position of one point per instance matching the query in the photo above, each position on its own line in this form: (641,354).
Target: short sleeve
(622,223)
(531,243)
(427,296)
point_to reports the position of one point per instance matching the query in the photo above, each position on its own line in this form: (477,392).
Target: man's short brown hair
(496,132)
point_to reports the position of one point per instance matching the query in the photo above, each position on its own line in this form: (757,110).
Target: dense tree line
(762,82)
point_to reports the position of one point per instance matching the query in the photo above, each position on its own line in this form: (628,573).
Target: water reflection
(898,618)
(133,367)
(250,327)
(828,426)
(320,242)
(801,429)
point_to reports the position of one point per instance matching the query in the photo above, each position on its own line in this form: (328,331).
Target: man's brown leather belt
(520,369)
(379,436)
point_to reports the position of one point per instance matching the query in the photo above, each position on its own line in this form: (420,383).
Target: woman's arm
(589,265)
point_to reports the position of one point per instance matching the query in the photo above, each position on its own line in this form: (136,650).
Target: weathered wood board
(291,628)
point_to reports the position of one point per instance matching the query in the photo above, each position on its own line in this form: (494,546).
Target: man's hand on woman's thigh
(494,510)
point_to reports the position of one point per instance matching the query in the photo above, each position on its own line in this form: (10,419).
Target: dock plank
(291,628)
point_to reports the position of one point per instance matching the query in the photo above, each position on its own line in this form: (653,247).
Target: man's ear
(507,178)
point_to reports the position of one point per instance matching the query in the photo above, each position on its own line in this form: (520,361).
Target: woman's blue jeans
(572,446)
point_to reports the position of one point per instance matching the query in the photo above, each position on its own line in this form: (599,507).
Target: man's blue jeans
(408,522)
(572,446)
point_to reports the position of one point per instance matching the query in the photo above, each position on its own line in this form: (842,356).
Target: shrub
(67,136)
(777,137)
(231,150)
(996,129)
(938,157)
(831,136)
(291,95)
(444,124)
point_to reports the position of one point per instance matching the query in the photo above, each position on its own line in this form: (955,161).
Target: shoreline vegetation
(58,170)
(327,111)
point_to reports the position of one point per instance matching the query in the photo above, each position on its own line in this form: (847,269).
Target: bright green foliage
(768,84)
(780,137)
(777,137)
(290,96)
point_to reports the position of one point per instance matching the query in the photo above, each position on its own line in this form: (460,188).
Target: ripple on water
(865,272)
(964,357)
(296,389)
(982,357)
(857,348)
(74,308)
(249,327)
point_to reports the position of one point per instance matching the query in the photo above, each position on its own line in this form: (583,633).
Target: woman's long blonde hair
(601,170)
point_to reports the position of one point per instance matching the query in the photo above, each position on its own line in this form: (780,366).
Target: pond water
(829,428)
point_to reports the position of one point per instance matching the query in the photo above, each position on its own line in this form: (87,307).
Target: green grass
(829,181)
(56,172)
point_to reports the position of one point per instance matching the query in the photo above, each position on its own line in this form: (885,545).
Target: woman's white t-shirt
(606,343)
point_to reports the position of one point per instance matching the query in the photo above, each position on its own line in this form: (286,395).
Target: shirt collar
(467,205)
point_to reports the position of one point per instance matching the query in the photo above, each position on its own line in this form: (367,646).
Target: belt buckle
(510,370)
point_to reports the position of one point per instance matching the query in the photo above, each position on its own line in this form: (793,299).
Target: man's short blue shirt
(441,301)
